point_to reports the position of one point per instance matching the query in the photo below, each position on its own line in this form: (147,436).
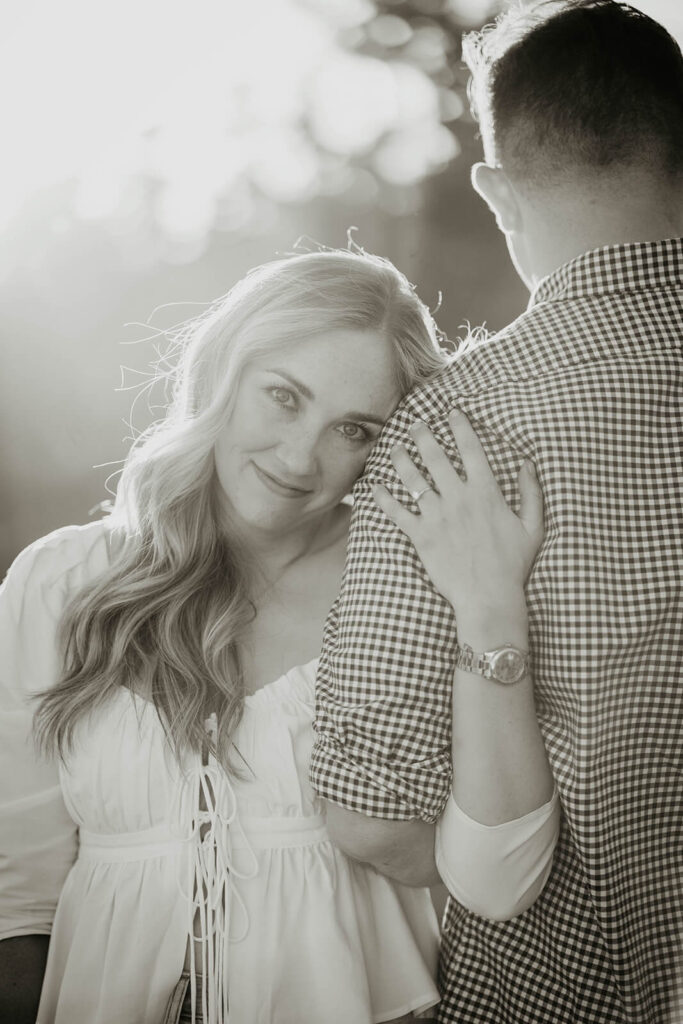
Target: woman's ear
(495,188)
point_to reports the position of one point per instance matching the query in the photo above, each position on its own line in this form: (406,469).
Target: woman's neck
(272,556)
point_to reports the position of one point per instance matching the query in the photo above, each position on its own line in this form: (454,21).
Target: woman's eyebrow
(365,417)
(305,391)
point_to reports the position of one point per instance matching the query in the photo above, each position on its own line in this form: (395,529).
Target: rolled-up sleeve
(37,836)
(384,686)
(497,871)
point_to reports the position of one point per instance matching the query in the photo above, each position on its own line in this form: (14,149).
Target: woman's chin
(275,517)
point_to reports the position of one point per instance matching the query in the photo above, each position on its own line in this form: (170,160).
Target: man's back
(607,613)
(587,384)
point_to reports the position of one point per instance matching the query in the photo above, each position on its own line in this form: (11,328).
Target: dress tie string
(206,812)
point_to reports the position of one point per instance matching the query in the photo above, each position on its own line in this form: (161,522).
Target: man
(581,112)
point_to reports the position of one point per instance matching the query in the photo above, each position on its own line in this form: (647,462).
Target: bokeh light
(156,115)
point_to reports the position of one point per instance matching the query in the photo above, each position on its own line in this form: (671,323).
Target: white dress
(299,933)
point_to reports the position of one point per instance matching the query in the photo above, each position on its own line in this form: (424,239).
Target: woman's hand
(476,550)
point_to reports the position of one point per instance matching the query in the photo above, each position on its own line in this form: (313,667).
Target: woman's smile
(279,486)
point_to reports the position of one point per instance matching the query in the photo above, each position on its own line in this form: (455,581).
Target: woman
(180,828)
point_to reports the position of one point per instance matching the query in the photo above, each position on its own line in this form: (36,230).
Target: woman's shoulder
(61,561)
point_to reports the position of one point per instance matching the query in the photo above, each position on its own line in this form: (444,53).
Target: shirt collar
(614,268)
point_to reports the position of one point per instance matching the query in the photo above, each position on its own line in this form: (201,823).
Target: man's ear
(494,187)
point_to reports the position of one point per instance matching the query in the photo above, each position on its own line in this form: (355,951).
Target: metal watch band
(471,661)
(486,663)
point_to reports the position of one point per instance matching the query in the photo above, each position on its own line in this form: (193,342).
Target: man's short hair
(568,86)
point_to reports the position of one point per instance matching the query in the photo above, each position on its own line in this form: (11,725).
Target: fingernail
(529,467)
(416,424)
(454,413)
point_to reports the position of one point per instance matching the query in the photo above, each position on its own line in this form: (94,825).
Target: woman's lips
(278,486)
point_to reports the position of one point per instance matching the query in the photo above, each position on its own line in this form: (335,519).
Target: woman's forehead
(344,365)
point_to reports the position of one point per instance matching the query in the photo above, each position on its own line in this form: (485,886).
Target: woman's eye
(281,396)
(354,432)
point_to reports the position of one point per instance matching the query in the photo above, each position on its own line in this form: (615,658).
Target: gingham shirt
(587,384)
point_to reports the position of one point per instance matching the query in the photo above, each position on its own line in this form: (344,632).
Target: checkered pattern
(587,383)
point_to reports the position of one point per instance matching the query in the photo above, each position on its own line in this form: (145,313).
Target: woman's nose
(298,452)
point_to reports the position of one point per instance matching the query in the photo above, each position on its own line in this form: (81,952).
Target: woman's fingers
(438,464)
(392,508)
(466,534)
(408,471)
(531,502)
(473,456)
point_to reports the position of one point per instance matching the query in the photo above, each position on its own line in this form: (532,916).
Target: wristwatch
(505,665)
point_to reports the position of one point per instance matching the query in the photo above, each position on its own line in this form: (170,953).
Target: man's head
(575,98)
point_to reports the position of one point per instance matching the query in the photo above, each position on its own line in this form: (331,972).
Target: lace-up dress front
(287,930)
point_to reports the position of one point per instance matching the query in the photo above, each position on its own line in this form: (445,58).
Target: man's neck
(563,225)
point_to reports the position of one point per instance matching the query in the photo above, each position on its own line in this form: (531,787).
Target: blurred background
(155,150)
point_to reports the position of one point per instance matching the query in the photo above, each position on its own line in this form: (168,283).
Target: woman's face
(304,420)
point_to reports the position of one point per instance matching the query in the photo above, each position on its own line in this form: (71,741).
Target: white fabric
(497,871)
(304,934)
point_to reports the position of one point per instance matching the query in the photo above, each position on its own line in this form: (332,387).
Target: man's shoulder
(552,337)
(485,358)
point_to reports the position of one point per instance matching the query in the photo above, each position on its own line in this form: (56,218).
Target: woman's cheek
(355,467)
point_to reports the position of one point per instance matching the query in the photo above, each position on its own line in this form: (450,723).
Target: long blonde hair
(167,616)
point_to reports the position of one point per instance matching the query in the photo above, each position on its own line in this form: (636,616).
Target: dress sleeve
(384,685)
(497,871)
(38,838)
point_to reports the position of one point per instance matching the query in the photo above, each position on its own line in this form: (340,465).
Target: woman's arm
(500,766)
(478,553)
(495,840)
(38,838)
(401,850)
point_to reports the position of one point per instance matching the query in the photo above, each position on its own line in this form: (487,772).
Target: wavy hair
(167,616)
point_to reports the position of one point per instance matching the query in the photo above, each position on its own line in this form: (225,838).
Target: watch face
(508,665)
